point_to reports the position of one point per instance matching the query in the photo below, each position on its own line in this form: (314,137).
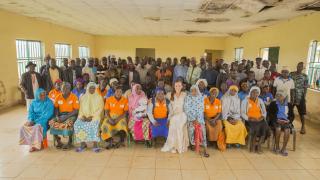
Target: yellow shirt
(54,74)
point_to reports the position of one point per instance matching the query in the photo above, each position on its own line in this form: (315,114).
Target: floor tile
(299,174)
(115,173)
(120,161)
(192,163)
(144,162)
(247,174)
(168,174)
(239,164)
(195,174)
(61,172)
(168,163)
(138,174)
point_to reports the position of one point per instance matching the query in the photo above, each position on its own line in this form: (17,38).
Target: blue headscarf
(41,111)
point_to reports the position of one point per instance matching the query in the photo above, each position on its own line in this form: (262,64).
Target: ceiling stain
(193,32)
(266,21)
(154,18)
(314,6)
(266,8)
(208,20)
(214,7)
(236,34)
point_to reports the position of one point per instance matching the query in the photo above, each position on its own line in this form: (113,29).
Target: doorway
(213,54)
(145,52)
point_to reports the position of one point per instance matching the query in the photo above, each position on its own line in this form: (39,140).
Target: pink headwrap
(134,98)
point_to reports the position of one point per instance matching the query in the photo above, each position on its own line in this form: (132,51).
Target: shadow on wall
(313,111)
(3,94)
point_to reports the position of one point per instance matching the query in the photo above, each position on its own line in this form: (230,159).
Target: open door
(213,54)
(145,52)
(274,54)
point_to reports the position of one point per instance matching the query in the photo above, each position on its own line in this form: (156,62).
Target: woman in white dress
(177,140)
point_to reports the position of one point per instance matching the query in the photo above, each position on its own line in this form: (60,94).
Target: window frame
(313,65)
(59,59)
(236,54)
(80,53)
(37,49)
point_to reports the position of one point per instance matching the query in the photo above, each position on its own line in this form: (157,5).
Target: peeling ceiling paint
(162,17)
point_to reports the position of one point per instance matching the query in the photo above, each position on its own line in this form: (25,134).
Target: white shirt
(89,71)
(259,73)
(284,84)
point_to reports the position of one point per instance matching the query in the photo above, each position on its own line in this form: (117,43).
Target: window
(28,50)
(270,53)
(84,52)
(264,53)
(313,65)
(62,51)
(238,54)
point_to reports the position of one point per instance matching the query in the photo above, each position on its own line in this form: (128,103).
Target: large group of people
(189,105)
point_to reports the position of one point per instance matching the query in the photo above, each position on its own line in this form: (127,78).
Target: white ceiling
(158,17)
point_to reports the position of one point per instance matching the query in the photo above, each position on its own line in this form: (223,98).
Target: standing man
(142,70)
(258,69)
(67,73)
(193,73)
(47,63)
(301,84)
(132,74)
(180,70)
(76,70)
(89,70)
(210,74)
(30,82)
(50,75)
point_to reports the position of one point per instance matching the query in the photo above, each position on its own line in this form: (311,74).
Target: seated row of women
(183,119)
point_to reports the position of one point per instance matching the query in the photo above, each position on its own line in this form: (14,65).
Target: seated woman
(115,121)
(55,91)
(78,90)
(266,95)
(158,110)
(278,115)
(139,124)
(34,131)
(212,113)
(202,85)
(86,128)
(177,140)
(113,83)
(102,88)
(66,111)
(194,108)
(254,112)
(234,128)
(244,90)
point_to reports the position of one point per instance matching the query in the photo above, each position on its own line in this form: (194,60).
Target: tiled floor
(138,162)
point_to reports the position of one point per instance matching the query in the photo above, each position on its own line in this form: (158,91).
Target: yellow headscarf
(214,88)
(234,87)
(91,104)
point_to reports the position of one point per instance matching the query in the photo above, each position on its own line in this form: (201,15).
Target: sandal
(81,149)
(205,154)
(276,151)
(96,149)
(59,145)
(110,146)
(284,153)
(33,149)
(66,147)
